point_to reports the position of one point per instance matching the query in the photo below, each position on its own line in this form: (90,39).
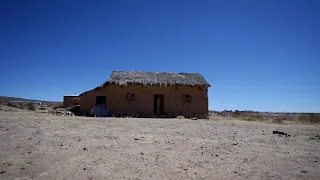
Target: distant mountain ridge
(7,99)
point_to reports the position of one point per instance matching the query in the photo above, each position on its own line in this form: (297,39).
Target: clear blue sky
(257,55)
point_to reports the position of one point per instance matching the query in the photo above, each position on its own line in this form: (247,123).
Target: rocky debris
(2,171)
(136,139)
(281,133)
(63,112)
(304,171)
(194,118)
(142,153)
(85,149)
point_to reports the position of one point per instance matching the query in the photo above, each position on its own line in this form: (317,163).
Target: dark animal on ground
(281,133)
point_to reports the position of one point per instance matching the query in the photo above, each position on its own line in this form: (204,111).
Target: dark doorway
(100,99)
(158,104)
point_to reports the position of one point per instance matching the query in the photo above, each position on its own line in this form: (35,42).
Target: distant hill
(6,99)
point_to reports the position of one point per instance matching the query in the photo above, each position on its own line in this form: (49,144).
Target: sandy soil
(41,146)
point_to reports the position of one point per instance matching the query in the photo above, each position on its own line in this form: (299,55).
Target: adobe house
(71,100)
(151,94)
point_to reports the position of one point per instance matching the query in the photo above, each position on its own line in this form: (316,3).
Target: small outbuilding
(71,100)
(150,94)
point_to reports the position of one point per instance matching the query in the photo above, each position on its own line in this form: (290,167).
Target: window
(130,97)
(76,101)
(186,99)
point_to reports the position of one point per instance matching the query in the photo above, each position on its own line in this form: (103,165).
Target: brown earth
(42,146)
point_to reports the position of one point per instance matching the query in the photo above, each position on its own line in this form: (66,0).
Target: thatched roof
(153,78)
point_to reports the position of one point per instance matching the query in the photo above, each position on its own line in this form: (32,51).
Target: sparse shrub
(56,106)
(23,105)
(309,119)
(31,106)
(278,120)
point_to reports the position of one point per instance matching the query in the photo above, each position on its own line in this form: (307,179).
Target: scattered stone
(142,153)
(85,149)
(7,129)
(304,171)
(136,139)
(2,171)
(235,172)
(84,169)
(61,144)
(235,144)
(281,133)
(217,155)
(29,152)
(202,153)
(235,133)
(201,147)
(194,118)
(22,168)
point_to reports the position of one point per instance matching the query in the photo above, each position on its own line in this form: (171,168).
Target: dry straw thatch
(154,78)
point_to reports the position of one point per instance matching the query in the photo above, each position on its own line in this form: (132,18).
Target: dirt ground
(42,146)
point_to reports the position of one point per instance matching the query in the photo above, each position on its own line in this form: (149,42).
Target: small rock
(136,139)
(84,169)
(235,172)
(29,152)
(194,118)
(22,168)
(185,169)
(304,171)
(85,149)
(2,172)
(142,153)
(217,155)
(202,153)
(7,129)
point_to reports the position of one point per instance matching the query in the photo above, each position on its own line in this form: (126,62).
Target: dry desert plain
(44,146)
